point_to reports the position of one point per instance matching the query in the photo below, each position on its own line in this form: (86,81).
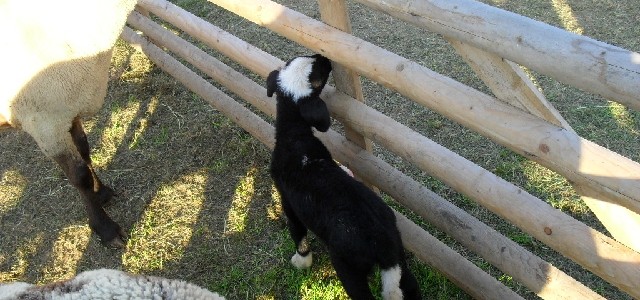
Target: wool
(54,69)
(55,62)
(108,284)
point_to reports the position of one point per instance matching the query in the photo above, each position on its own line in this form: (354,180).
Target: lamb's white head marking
(294,78)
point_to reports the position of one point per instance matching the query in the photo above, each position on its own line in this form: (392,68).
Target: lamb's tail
(391,283)
(398,283)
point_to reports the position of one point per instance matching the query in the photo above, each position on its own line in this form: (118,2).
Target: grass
(195,196)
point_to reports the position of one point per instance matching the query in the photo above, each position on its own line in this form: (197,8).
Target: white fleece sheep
(54,68)
(108,284)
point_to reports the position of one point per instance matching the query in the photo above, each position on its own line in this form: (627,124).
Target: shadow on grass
(149,141)
(181,139)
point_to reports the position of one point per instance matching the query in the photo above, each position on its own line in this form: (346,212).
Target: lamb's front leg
(303,257)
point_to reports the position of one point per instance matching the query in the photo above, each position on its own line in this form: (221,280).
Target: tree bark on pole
(335,13)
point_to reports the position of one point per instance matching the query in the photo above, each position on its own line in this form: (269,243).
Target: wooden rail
(476,282)
(580,61)
(535,273)
(474,29)
(609,176)
(605,175)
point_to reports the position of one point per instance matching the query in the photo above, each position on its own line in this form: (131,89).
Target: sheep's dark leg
(302,259)
(353,278)
(76,164)
(81,177)
(104,193)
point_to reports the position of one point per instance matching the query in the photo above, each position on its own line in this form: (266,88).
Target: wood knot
(544,148)
(547,230)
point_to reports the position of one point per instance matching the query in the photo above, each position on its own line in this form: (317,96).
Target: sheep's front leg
(303,257)
(72,154)
(82,178)
(104,193)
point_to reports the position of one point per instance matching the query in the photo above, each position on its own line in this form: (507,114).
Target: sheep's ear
(272,82)
(315,112)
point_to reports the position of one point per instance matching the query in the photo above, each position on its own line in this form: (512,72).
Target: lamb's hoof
(302,262)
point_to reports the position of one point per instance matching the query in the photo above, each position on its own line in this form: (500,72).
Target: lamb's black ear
(315,112)
(272,82)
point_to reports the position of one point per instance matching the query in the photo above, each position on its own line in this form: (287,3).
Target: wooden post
(455,267)
(335,13)
(509,83)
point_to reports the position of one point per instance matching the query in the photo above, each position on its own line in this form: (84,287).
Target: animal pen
(517,117)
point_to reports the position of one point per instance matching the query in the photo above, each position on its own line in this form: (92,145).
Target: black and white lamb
(107,284)
(358,228)
(54,70)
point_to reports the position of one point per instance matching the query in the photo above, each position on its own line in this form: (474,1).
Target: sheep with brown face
(358,228)
(54,68)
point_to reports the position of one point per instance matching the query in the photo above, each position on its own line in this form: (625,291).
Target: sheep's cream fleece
(54,63)
(108,284)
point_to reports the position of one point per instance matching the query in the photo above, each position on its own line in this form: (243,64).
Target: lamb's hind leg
(353,278)
(409,284)
(74,164)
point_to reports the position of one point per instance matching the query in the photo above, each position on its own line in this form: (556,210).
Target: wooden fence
(608,182)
